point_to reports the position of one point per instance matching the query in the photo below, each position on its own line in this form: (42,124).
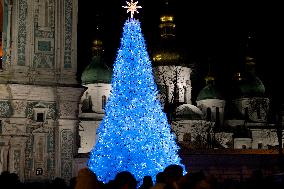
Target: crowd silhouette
(171,178)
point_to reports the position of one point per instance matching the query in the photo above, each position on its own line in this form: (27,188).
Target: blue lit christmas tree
(134,135)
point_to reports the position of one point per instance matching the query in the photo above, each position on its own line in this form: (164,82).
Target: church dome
(167,52)
(188,112)
(97,71)
(209,92)
(250,85)
(247,82)
(167,56)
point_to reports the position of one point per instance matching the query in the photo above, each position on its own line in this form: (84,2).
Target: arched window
(208,114)
(217,121)
(176,93)
(246,114)
(258,113)
(103,101)
(244,147)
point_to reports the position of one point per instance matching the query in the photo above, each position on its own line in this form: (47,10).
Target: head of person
(125,180)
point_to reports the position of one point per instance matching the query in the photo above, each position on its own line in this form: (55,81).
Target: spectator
(160,181)
(125,180)
(147,183)
(172,174)
(86,179)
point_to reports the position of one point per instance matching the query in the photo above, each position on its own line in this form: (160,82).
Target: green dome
(96,72)
(251,85)
(209,92)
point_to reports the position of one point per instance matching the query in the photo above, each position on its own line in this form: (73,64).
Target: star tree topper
(132,7)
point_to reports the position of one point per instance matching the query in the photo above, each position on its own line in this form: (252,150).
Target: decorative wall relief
(68,33)
(29,153)
(51,112)
(22,31)
(40,151)
(66,137)
(5,57)
(45,14)
(44,45)
(44,53)
(19,106)
(17,155)
(11,128)
(68,109)
(51,153)
(44,21)
(6,109)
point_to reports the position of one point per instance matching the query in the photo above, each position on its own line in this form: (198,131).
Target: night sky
(204,29)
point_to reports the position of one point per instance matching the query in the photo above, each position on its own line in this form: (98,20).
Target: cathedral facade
(39,92)
(239,120)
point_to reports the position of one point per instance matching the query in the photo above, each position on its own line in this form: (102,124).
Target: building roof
(96,72)
(209,92)
(250,86)
(189,112)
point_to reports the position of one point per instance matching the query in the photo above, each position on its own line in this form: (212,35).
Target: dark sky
(205,29)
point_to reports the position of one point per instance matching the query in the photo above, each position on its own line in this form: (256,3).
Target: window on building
(176,93)
(184,95)
(39,171)
(259,146)
(217,121)
(258,113)
(244,147)
(208,114)
(246,114)
(40,117)
(39,112)
(103,101)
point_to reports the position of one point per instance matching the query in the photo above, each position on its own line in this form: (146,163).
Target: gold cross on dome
(132,7)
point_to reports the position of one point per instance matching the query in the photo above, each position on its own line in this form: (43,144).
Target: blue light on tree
(134,135)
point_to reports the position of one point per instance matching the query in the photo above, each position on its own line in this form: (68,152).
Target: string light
(134,135)
(132,8)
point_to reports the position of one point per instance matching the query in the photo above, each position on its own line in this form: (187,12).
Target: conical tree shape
(134,135)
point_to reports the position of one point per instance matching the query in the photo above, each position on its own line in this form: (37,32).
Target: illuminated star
(132,7)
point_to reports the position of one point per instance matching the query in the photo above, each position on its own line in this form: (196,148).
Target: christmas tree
(134,134)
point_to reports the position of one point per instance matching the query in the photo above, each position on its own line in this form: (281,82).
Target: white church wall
(212,104)
(262,138)
(193,127)
(169,76)
(242,143)
(224,138)
(257,108)
(88,135)
(97,91)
